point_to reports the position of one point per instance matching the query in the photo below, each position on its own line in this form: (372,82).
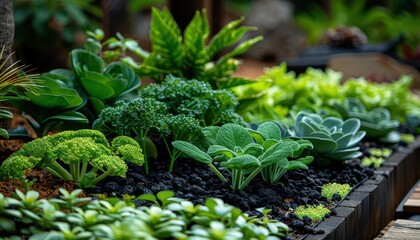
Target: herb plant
(329,189)
(195,99)
(333,139)
(187,55)
(83,156)
(236,150)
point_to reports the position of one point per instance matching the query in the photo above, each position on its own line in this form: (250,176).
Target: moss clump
(329,189)
(315,213)
(407,138)
(376,161)
(380,152)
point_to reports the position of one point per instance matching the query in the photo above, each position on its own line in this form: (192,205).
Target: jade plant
(377,122)
(236,151)
(73,217)
(190,54)
(330,189)
(333,139)
(316,212)
(83,156)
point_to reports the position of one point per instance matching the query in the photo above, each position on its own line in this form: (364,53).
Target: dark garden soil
(195,182)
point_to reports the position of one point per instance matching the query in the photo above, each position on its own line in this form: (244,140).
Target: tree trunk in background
(7,28)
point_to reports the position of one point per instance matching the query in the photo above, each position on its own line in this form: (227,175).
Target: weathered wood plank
(403,229)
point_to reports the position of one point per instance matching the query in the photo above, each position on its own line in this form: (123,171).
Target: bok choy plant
(236,150)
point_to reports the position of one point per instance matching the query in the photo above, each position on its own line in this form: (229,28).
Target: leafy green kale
(83,156)
(195,99)
(147,117)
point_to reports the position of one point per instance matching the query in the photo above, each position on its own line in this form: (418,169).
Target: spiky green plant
(13,82)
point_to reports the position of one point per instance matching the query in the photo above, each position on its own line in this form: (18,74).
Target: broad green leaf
(269,143)
(356,138)
(210,133)
(322,145)
(345,154)
(305,129)
(296,165)
(240,49)
(351,125)
(254,149)
(306,160)
(243,162)
(270,130)
(97,105)
(97,85)
(192,151)
(195,35)
(332,121)
(70,116)
(82,60)
(344,141)
(215,150)
(4,133)
(275,154)
(231,135)
(164,195)
(257,136)
(147,197)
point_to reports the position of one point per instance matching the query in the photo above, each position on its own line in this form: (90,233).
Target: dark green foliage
(72,217)
(195,99)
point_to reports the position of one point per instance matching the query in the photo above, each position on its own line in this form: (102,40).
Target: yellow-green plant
(329,189)
(13,82)
(315,213)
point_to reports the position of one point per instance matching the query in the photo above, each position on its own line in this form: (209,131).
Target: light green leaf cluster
(316,213)
(333,139)
(71,217)
(74,155)
(376,161)
(329,189)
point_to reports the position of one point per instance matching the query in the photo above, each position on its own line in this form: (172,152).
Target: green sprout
(315,213)
(329,189)
(407,138)
(376,161)
(380,152)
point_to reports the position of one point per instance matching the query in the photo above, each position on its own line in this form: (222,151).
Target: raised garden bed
(371,206)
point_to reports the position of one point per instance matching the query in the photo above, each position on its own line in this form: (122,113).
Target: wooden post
(7,29)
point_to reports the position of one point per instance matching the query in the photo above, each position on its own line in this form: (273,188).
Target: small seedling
(376,161)
(315,213)
(329,189)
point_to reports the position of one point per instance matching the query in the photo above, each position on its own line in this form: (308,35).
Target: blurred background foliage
(46,30)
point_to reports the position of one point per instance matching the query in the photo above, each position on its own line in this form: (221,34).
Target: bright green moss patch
(407,138)
(380,152)
(376,161)
(316,213)
(329,189)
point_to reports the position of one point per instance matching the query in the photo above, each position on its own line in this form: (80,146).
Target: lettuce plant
(83,156)
(187,54)
(236,150)
(377,122)
(333,139)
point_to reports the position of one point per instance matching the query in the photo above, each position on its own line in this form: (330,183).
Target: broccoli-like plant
(139,117)
(83,156)
(333,139)
(329,189)
(316,213)
(195,99)
(377,122)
